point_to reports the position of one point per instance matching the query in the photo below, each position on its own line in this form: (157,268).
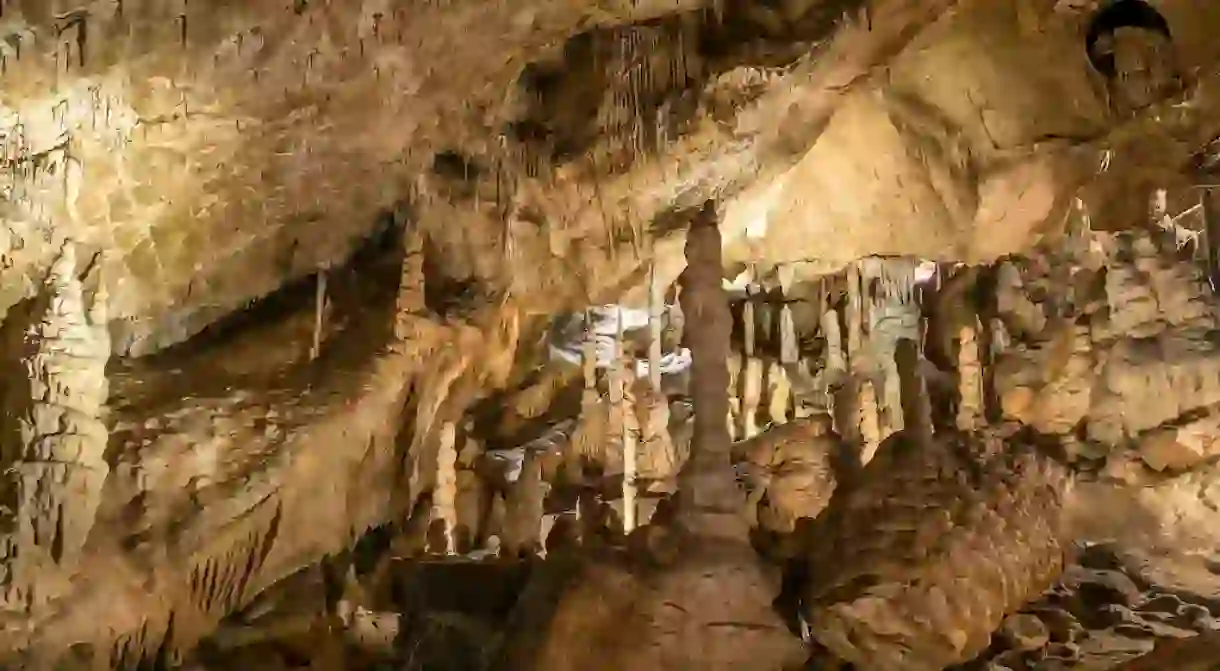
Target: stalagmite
(869,422)
(620,422)
(970,370)
(694,594)
(735,365)
(630,468)
(788,345)
(445,497)
(779,394)
(590,436)
(657,445)
(524,509)
(410,301)
(59,468)
(836,360)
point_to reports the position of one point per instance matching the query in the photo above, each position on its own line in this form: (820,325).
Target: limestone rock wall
(1128,347)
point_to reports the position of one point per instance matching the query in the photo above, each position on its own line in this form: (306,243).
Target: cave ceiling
(203,154)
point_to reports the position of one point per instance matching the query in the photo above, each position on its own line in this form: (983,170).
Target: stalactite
(818,401)
(1210,209)
(445,490)
(789,353)
(752,371)
(855,313)
(319,315)
(58,474)
(710,501)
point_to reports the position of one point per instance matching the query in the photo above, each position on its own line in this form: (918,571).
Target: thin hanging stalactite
(627,434)
(319,315)
(752,366)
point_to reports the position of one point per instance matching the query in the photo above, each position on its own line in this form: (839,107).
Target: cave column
(710,501)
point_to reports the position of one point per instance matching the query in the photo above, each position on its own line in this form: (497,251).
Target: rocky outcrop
(916,566)
(789,472)
(1130,352)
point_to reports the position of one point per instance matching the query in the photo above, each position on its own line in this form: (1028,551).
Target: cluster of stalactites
(57,474)
(631,419)
(762,388)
